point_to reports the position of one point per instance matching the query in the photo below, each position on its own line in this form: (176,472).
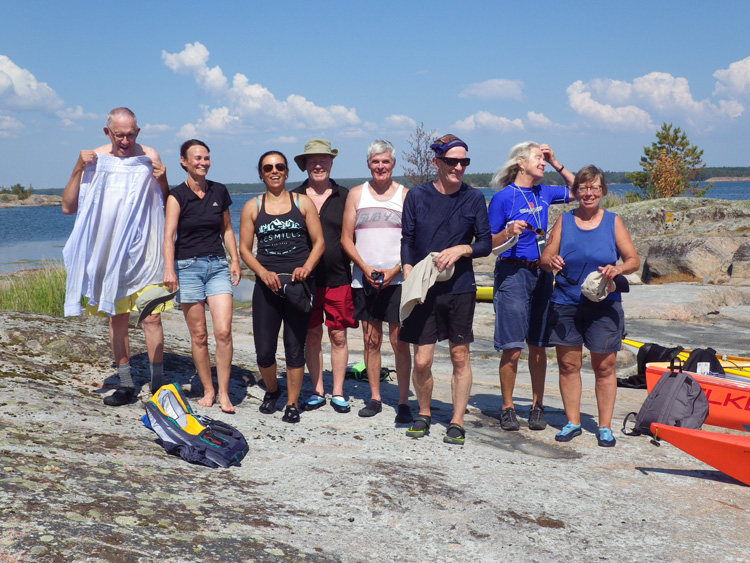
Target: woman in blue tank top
(290,241)
(585,240)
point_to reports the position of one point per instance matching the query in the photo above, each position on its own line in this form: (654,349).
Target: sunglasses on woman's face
(455,161)
(280,166)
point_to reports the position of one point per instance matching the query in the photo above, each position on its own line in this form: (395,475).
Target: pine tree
(670,166)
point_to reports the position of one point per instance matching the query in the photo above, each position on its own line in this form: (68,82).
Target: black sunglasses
(280,166)
(580,275)
(533,230)
(454,161)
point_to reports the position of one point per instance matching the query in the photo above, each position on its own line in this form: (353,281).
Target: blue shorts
(521,298)
(202,276)
(599,326)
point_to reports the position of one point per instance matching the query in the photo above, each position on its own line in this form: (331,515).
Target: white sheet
(115,247)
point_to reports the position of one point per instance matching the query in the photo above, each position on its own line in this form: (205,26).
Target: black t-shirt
(200,226)
(335,267)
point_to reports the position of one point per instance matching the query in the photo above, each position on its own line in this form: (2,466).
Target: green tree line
(18,190)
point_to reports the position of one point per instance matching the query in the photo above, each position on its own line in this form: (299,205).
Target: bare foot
(207,400)
(226,404)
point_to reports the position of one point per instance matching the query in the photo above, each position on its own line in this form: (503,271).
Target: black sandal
(268,406)
(455,435)
(420,427)
(291,414)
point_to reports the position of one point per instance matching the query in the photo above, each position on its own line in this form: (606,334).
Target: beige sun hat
(315,146)
(151,299)
(596,287)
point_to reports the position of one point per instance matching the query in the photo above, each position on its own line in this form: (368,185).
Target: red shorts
(338,306)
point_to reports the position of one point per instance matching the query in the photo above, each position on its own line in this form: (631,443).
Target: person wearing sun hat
(448,217)
(333,276)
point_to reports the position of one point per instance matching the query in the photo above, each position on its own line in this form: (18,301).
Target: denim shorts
(202,276)
(600,326)
(521,298)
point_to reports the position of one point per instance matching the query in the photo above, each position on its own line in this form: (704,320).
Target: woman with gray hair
(522,288)
(591,240)
(371,236)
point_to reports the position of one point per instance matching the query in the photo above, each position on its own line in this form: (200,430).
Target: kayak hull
(728,453)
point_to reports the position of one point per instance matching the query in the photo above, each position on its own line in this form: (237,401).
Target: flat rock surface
(80,481)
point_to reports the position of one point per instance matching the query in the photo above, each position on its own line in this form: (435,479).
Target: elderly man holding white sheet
(113,254)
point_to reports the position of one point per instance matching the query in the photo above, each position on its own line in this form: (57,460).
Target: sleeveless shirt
(377,233)
(283,244)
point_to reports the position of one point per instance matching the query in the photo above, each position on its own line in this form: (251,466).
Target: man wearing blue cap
(448,217)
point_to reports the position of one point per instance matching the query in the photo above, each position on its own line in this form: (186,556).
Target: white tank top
(377,233)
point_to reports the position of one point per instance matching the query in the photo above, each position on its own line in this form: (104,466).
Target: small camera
(377,276)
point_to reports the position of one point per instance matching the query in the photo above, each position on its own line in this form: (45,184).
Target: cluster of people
(378,253)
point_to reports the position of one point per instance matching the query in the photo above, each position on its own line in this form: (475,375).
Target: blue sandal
(313,402)
(568,432)
(339,404)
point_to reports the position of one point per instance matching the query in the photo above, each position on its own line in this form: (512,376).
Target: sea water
(32,236)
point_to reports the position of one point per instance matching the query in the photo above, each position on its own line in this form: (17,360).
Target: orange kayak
(728,399)
(728,453)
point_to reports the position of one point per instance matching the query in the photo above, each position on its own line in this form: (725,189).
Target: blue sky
(594,80)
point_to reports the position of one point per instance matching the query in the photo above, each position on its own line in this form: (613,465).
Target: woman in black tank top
(290,241)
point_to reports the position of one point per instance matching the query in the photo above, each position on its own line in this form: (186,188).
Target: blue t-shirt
(584,251)
(526,204)
(432,221)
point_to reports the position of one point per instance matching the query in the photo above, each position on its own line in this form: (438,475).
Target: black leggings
(269,310)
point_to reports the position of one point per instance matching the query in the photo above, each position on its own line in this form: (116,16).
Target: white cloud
(192,61)
(8,125)
(494,89)
(284,140)
(623,117)
(630,105)
(485,120)
(354,133)
(246,105)
(20,90)
(541,121)
(664,93)
(399,122)
(154,128)
(734,80)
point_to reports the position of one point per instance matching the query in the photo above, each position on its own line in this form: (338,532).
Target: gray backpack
(676,399)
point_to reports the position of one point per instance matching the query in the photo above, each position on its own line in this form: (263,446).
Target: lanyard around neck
(534,210)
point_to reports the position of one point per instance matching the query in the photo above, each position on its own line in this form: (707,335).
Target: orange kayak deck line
(728,453)
(728,399)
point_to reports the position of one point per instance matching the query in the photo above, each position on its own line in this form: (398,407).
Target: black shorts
(372,304)
(449,316)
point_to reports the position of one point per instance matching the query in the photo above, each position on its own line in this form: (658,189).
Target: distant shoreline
(38,200)
(34,200)
(728,179)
